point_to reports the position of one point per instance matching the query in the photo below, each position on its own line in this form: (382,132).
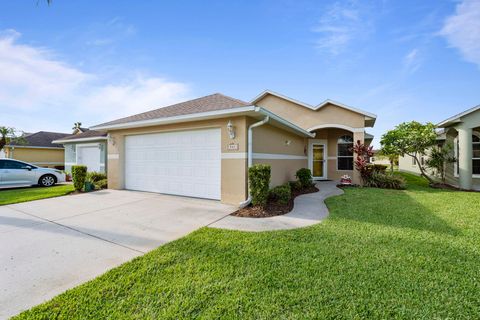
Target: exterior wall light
(111,140)
(230,129)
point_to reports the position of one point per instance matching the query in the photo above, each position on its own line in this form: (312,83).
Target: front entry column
(465,157)
(357,178)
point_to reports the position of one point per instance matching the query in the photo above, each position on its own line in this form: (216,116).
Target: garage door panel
(183,163)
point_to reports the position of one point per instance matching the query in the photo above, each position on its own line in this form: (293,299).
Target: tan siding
(269,139)
(40,157)
(307,118)
(282,171)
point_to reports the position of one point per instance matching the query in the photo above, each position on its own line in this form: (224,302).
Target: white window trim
(353,156)
(455,153)
(323,142)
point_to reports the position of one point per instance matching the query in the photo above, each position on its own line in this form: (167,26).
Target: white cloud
(412,61)
(38,91)
(462,30)
(340,25)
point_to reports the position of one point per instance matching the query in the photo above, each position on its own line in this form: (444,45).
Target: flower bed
(273,207)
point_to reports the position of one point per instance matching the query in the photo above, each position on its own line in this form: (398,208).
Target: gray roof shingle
(42,139)
(86,134)
(211,102)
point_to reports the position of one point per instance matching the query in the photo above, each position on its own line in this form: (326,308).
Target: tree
(439,157)
(389,152)
(9,135)
(413,139)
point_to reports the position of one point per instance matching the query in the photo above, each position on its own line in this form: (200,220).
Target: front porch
(466,170)
(330,154)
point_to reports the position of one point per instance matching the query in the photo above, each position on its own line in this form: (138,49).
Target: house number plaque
(232,146)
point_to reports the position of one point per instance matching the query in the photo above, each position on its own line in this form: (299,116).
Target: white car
(17,173)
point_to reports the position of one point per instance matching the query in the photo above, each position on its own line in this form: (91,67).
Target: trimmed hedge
(304,175)
(385,181)
(259,181)
(282,194)
(79,176)
(295,185)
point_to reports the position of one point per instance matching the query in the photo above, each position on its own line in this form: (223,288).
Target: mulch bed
(272,208)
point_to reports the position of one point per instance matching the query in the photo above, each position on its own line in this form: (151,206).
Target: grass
(10,196)
(381,254)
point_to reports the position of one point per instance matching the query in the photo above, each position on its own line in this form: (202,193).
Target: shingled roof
(42,139)
(83,135)
(211,102)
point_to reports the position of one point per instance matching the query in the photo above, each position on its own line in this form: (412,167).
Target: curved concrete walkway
(308,209)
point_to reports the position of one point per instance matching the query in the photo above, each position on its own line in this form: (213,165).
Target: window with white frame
(345,153)
(475,155)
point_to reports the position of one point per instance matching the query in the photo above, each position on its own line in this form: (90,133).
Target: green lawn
(381,254)
(9,196)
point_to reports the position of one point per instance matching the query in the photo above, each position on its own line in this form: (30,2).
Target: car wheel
(47,180)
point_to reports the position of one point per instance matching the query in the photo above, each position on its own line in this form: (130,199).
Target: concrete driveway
(48,246)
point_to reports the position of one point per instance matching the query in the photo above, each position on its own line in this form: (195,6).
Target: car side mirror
(27,168)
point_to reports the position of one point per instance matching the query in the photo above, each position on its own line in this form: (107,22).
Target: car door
(16,173)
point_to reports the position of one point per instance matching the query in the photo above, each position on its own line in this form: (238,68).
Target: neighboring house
(85,147)
(203,147)
(462,131)
(409,164)
(378,158)
(38,149)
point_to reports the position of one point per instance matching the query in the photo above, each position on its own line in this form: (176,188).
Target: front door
(318,161)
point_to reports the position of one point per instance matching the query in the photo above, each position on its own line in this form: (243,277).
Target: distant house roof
(208,103)
(457,118)
(84,136)
(41,139)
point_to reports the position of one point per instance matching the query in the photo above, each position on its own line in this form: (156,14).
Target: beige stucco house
(203,147)
(38,149)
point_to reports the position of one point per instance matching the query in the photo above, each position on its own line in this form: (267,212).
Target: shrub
(385,181)
(96,176)
(380,168)
(295,185)
(259,181)
(304,175)
(79,175)
(282,194)
(101,184)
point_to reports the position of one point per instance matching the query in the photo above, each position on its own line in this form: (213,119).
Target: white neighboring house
(88,148)
(462,131)
(2,154)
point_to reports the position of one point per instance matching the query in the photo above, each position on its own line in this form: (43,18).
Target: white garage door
(183,163)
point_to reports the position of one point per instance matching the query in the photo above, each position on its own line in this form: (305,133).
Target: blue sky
(93,61)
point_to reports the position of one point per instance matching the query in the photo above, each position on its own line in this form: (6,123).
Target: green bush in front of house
(385,181)
(259,181)
(98,179)
(79,175)
(304,175)
(282,194)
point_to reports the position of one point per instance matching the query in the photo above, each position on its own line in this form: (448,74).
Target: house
(38,149)
(203,147)
(85,147)
(462,131)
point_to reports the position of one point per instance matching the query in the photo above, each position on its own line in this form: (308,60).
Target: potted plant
(346,180)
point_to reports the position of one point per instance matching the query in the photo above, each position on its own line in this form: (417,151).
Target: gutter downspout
(245,203)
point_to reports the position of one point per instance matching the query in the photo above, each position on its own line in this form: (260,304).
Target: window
(476,154)
(345,153)
(9,164)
